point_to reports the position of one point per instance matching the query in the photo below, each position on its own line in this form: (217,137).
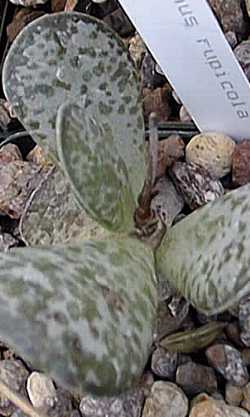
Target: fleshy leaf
(96,170)
(82,313)
(52,216)
(63,57)
(206,256)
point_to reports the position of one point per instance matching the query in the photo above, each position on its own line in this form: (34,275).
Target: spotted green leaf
(206,256)
(82,313)
(95,168)
(52,216)
(63,57)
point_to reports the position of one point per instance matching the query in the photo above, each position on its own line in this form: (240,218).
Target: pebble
(244,320)
(213,151)
(165,400)
(157,101)
(14,374)
(9,153)
(164,363)
(242,53)
(28,3)
(233,394)
(216,408)
(246,398)
(228,362)
(195,184)
(60,405)
(126,405)
(168,203)
(194,378)
(5,117)
(230,15)
(40,389)
(170,150)
(241,166)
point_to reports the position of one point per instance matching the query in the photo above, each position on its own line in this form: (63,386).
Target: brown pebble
(241,165)
(170,150)
(246,398)
(157,101)
(194,378)
(228,362)
(215,408)
(233,394)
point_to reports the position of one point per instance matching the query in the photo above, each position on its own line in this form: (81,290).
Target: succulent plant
(85,312)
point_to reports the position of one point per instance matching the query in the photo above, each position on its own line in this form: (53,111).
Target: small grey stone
(14,374)
(165,400)
(164,363)
(195,378)
(126,405)
(60,405)
(228,361)
(168,203)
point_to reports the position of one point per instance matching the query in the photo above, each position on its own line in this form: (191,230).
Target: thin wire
(9,139)
(3,18)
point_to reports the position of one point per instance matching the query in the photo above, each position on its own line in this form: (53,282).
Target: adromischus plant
(85,312)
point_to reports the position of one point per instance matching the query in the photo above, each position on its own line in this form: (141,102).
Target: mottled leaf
(52,216)
(64,57)
(206,256)
(82,313)
(95,168)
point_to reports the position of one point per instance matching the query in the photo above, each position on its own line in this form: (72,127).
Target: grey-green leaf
(52,216)
(206,256)
(97,172)
(64,57)
(82,313)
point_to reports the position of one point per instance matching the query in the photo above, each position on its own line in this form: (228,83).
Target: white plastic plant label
(188,44)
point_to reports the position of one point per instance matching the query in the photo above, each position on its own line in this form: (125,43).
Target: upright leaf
(206,256)
(95,168)
(64,57)
(84,313)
